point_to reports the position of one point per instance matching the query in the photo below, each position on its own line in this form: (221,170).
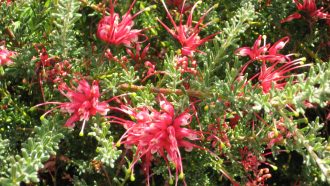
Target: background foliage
(38,149)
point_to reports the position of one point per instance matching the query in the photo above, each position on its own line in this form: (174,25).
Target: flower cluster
(115,31)
(188,34)
(309,7)
(6,57)
(280,64)
(50,68)
(83,102)
(157,132)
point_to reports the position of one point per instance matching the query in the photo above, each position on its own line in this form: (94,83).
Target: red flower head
(160,132)
(115,31)
(5,56)
(265,53)
(255,52)
(187,34)
(308,6)
(270,76)
(84,102)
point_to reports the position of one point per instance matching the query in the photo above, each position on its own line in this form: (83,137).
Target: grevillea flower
(6,57)
(157,132)
(255,52)
(309,7)
(115,31)
(187,34)
(83,102)
(265,52)
(275,76)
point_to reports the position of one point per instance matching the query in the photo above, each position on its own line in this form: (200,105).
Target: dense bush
(164,92)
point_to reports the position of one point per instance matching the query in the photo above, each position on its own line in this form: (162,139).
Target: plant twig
(99,8)
(193,93)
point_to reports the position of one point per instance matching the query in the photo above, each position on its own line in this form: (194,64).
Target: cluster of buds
(157,132)
(261,177)
(49,68)
(6,57)
(186,64)
(122,61)
(249,161)
(60,70)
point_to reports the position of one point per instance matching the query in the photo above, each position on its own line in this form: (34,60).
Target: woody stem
(97,8)
(135,88)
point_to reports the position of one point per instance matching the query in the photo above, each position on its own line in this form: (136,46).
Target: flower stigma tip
(264,37)
(82,129)
(132,178)
(171,182)
(42,117)
(181,176)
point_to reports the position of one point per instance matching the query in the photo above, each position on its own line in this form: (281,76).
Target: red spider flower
(255,52)
(187,34)
(308,6)
(5,57)
(84,102)
(264,53)
(272,76)
(160,132)
(115,31)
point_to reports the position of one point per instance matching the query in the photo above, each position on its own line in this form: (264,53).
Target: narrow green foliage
(36,150)
(107,151)
(236,26)
(65,17)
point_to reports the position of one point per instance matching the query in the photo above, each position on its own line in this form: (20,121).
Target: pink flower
(265,52)
(272,76)
(187,34)
(115,31)
(160,132)
(83,102)
(6,57)
(255,52)
(308,6)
